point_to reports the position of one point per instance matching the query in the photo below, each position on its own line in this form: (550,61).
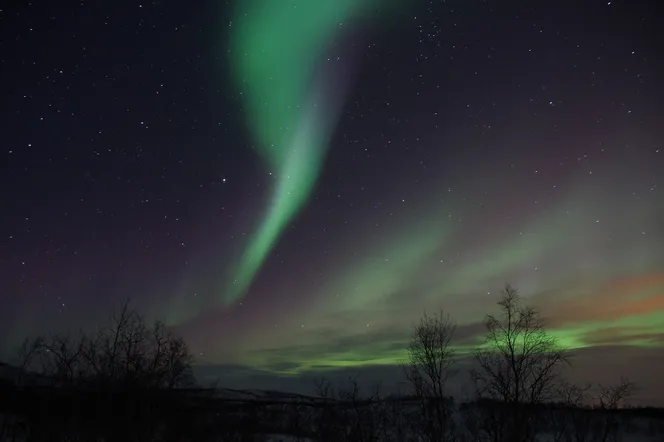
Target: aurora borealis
(291,193)
(276,52)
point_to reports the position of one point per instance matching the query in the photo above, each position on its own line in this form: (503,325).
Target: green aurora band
(363,317)
(276,47)
(593,292)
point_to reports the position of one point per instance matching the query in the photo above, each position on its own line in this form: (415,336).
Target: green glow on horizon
(362,356)
(364,315)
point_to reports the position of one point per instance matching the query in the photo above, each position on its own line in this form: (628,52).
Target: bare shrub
(430,365)
(118,383)
(572,419)
(344,414)
(610,399)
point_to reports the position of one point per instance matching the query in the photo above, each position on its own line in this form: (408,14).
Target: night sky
(290,184)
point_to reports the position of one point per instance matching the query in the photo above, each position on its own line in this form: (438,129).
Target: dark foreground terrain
(48,413)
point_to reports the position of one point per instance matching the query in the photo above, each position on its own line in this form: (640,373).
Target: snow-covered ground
(282,417)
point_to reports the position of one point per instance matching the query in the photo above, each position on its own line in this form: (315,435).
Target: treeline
(97,386)
(133,381)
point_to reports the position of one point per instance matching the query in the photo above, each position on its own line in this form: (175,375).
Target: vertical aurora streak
(292,104)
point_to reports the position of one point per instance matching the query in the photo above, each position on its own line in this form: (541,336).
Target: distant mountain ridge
(10,374)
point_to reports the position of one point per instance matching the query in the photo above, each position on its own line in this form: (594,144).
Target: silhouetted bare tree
(609,399)
(27,352)
(430,365)
(572,420)
(128,353)
(346,415)
(583,417)
(118,383)
(327,422)
(518,365)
